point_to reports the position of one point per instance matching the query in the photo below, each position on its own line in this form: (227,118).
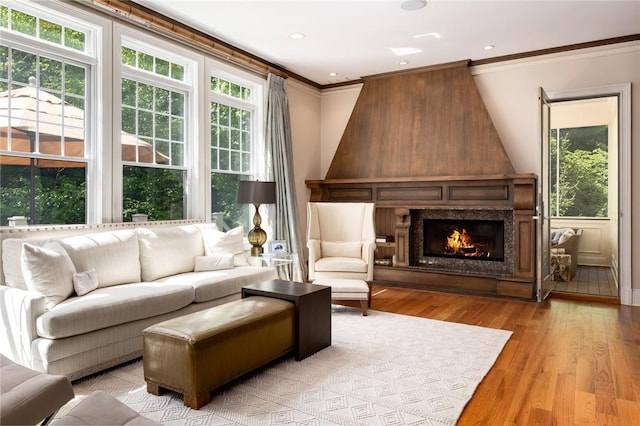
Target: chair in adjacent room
(567,241)
(341,241)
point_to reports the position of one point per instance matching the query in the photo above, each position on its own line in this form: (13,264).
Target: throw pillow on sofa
(218,243)
(48,270)
(85,282)
(213,263)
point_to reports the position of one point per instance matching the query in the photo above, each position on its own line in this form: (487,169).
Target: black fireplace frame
(487,267)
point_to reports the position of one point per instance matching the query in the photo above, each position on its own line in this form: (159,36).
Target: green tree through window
(579,172)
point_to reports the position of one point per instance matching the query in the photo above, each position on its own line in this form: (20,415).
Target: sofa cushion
(213,263)
(168,251)
(212,285)
(106,307)
(113,254)
(220,243)
(48,270)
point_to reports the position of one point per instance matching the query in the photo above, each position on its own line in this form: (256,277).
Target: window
(154,103)
(579,171)
(233,133)
(46,65)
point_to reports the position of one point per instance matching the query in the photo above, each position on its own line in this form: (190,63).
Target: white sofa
(144,274)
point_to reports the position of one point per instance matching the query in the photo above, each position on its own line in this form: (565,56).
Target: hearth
(464,240)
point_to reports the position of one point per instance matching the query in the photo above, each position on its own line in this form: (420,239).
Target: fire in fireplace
(462,238)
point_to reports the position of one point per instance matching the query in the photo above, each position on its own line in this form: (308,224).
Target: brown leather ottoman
(199,352)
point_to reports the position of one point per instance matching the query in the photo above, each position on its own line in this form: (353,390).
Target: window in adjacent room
(46,68)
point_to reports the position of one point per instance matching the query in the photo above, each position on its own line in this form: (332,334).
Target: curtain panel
(280,164)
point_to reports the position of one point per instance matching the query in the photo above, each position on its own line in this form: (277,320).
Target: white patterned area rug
(383,369)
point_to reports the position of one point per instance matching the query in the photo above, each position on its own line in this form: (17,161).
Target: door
(544,282)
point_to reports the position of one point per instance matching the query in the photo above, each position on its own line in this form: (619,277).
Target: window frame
(128,36)
(97,40)
(257,85)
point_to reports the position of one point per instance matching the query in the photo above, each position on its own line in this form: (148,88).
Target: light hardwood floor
(567,362)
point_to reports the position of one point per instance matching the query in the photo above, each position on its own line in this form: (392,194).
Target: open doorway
(584,195)
(619,212)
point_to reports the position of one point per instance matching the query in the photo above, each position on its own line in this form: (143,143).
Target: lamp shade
(256,192)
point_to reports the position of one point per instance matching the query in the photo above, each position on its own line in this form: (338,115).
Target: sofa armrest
(315,252)
(368,250)
(19,311)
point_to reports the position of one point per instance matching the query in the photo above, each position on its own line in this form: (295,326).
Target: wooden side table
(312,311)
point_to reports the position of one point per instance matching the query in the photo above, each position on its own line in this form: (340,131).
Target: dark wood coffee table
(312,311)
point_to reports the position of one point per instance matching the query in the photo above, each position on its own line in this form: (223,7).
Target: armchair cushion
(341,249)
(341,264)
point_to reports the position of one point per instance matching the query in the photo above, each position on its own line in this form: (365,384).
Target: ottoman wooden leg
(197,401)
(154,388)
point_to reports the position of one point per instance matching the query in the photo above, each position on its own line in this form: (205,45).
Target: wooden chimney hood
(430,122)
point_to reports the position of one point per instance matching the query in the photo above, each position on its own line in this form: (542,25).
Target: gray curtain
(280,159)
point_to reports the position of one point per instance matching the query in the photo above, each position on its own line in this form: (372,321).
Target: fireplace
(464,238)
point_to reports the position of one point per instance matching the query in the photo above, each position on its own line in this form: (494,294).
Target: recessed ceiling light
(434,35)
(296,36)
(413,4)
(404,51)
(488,47)
(333,74)
(403,62)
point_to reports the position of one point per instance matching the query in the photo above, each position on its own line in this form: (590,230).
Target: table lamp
(256,193)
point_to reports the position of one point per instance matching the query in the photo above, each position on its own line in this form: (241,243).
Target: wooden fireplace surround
(395,197)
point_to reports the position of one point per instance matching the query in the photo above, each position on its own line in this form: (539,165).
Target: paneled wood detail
(479,192)
(395,193)
(350,194)
(431,121)
(403,221)
(525,245)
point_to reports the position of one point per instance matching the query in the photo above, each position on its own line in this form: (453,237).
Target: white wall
(510,91)
(304,106)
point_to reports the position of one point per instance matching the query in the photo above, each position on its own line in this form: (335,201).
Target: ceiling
(356,38)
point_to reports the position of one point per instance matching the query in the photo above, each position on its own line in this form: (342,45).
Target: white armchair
(341,239)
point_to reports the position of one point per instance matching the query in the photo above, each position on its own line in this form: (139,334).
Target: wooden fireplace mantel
(394,199)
